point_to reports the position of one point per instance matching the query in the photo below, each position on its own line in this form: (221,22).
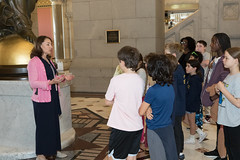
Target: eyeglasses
(167,52)
(183,42)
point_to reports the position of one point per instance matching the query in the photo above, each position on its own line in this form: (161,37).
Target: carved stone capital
(57,2)
(63,64)
(230,10)
(68,15)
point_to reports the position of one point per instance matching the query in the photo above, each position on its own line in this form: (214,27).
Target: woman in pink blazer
(44,81)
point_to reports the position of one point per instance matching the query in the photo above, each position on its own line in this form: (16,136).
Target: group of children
(166,102)
(220,102)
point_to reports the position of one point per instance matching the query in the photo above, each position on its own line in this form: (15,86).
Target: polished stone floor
(89,117)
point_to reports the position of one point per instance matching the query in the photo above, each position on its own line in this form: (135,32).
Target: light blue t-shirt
(161,99)
(228,114)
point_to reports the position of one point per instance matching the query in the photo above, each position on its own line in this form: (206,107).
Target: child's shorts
(124,143)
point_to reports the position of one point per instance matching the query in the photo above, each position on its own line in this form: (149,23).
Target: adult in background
(44,81)
(216,72)
(188,44)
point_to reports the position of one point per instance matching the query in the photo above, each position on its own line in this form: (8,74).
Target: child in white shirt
(125,93)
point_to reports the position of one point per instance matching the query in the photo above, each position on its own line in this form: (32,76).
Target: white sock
(192,137)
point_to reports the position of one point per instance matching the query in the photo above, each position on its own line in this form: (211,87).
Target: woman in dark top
(188,44)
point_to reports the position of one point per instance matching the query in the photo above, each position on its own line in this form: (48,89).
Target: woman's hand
(149,114)
(69,77)
(57,80)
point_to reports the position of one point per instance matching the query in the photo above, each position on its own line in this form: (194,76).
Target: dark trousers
(48,140)
(156,148)
(218,128)
(178,133)
(232,142)
(166,134)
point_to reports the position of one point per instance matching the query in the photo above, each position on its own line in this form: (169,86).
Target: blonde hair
(173,61)
(175,48)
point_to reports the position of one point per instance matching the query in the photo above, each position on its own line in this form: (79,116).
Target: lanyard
(54,74)
(220,98)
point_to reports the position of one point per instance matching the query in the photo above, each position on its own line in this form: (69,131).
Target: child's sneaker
(202,137)
(181,156)
(61,155)
(206,121)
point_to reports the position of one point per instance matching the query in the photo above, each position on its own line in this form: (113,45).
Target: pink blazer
(38,80)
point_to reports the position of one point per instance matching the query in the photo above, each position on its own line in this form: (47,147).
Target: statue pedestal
(17,124)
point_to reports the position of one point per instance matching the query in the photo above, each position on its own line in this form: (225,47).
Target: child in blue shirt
(160,97)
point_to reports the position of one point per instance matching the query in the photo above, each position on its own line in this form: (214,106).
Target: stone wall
(229,20)
(180,1)
(140,23)
(188,27)
(212,17)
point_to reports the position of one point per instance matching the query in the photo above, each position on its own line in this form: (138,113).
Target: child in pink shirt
(125,93)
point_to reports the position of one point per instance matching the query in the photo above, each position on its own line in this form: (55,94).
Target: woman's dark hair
(197,55)
(37,50)
(160,69)
(224,41)
(130,56)
(195,63)
(191,43)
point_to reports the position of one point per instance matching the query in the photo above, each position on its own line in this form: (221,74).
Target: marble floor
(89,117)
(96,104)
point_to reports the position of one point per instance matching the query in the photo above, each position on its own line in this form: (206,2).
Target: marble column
(62,57)
(57,28)
(160,28)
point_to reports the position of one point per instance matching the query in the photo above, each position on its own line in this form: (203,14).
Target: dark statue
(15,18)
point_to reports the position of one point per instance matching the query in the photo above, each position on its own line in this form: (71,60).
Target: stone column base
(63,64)
(10,153)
